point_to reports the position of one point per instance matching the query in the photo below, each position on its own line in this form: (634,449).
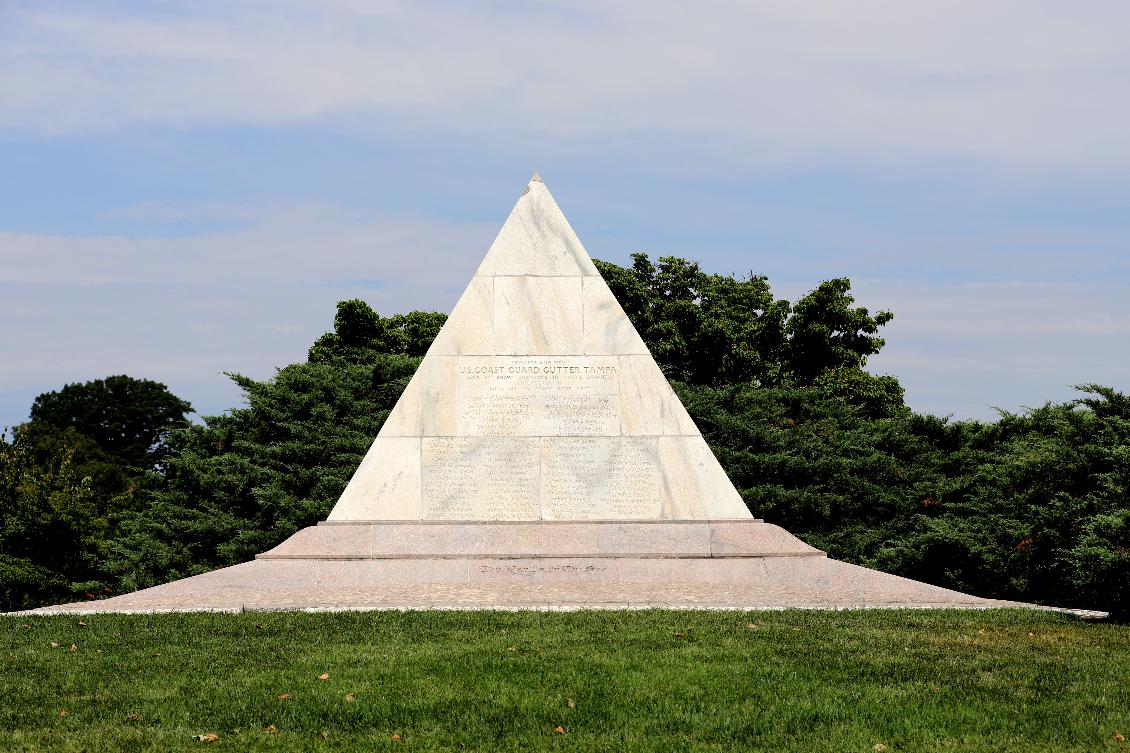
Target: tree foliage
(703,329)
(52,532)
(242,482)
(128,418)
(709,330)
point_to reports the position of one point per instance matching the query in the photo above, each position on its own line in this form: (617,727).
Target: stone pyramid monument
(538,459)
(539,401)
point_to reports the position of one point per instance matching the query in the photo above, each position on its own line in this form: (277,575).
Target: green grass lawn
(612,681)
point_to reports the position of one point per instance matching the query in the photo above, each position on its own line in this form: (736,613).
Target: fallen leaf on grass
(570,703)
(1118,736)
(81,623)
(395,737)
(349,697)
(879,748)
(62,712)
(207,737)
(751,625)
(324,735)
(54,644)
(133,717)
(680,635)
(74,647)
(559,730)
(272,728)
(324,676)
(284,697)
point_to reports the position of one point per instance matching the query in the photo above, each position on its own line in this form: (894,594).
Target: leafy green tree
(717,330)
(703,329)
(242,482)
(1035,510)
(818,465)
(128,418)
(361,334)
(827,332)
(52,534)
(110,481)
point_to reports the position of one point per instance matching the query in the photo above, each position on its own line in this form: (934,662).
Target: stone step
(472,540)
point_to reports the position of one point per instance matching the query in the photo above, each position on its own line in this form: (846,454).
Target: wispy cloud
(1012,81)
(195,212)
(289,245)
(961,348)
(184,310)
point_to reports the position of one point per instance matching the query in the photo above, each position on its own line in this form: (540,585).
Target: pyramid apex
(536,177)
(536,239)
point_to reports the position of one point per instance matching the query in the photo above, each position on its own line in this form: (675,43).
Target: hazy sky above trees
(189,187)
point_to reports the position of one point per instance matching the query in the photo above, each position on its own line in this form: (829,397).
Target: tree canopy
(128,418)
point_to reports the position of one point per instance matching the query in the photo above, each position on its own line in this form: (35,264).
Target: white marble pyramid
(538,401)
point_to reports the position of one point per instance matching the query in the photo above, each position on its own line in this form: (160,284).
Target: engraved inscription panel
(539,570)
(538,396)
(480,478)
(600,478)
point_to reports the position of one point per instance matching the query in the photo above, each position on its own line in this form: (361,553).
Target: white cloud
(1021,82)
(184,310)
(287,245)
(961,348)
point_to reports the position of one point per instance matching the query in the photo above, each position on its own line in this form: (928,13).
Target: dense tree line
(108,488)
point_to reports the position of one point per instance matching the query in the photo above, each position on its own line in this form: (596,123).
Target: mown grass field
(593,681)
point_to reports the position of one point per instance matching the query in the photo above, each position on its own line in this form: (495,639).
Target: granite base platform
(540,565)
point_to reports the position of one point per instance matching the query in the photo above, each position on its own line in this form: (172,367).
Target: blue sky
(188,188)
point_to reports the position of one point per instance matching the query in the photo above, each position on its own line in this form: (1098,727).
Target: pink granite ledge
(529,522)
(531,539)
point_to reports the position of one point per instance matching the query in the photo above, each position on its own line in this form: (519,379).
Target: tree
(52,535)
(130,419)
(360,334)
(717,330)
(827,333)
(242,482)
(702,329)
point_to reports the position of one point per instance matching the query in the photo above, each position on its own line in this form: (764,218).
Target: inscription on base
(541,570)
(469,478)
(600,478)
